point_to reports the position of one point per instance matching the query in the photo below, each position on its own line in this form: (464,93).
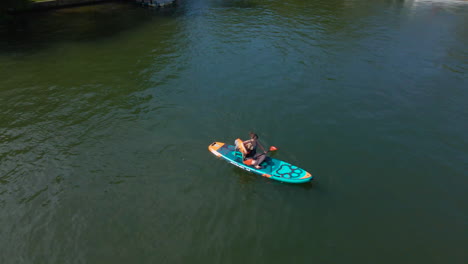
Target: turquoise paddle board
(272,168)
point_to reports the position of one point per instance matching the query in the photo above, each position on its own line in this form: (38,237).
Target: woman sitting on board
(253,158)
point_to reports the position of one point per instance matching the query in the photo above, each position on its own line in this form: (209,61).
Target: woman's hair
(253,135)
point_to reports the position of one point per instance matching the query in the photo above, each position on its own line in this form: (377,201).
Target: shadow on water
(240,3)
(74,76)
(8,5)
(35,30)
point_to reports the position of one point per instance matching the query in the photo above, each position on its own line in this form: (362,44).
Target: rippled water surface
(106,113)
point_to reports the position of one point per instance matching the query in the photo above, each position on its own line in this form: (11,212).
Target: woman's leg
(258,159)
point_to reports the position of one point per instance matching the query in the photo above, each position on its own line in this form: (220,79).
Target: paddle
(272,148)
(249,161)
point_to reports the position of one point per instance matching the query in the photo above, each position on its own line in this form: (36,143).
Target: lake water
(106,113)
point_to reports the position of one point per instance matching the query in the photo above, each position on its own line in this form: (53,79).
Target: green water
(106,113)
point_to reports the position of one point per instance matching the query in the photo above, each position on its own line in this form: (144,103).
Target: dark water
(106,113)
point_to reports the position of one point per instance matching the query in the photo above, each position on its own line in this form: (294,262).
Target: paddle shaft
(272,148)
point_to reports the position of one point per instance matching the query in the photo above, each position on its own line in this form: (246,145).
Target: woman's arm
(264,151)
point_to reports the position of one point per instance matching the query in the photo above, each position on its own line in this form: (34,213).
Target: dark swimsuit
(251,149)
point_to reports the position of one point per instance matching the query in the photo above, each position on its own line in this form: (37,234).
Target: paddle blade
(273,148)
(248,162)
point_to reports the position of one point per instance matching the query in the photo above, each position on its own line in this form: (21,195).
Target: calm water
(106,113)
